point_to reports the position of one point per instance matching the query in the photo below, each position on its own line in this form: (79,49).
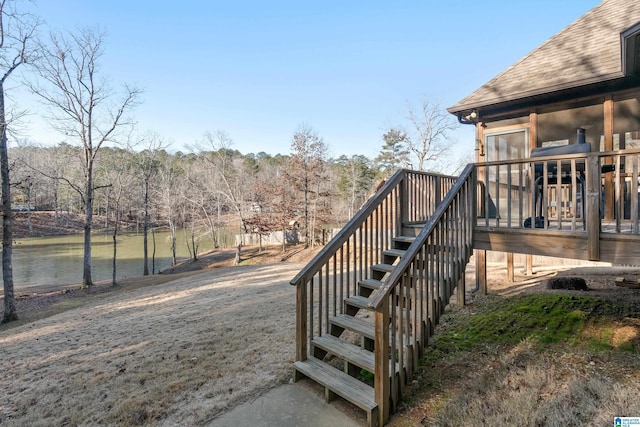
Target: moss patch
(545,319)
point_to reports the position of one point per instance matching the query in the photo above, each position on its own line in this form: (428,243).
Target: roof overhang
(560,97)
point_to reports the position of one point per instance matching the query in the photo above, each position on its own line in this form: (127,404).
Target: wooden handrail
(377,299)
(560,157)
(345,232)
(341,237)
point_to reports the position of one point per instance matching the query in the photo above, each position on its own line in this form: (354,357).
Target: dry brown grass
(528,387)
(176,353)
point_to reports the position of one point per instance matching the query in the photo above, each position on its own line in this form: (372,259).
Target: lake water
(58,260)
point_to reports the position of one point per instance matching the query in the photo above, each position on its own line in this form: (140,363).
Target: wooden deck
(613,247)
(577,215)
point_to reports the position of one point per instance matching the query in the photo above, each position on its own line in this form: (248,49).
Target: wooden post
(460,291)
(381,353)
(510,267)
(481,271)
(593,207)
(403,204)
(301,320)
(533,130)
(533,143)
(609,207)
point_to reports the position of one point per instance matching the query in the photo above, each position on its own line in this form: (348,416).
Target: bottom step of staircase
(338,383)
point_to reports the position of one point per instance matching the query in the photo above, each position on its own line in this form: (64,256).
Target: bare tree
(84,108)
(308,159)
(216,151)
(170,177)
(115,172)
(148,166)
(355,181)
(428,138)
(17,35)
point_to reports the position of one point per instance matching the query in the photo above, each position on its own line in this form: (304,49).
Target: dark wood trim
(533,130)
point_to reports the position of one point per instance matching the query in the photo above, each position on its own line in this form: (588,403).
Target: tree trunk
(113,268)
(212,228)
(153,254)
(172,229)
(10,312)
(115,247)
(145,228)
(106,211)
(306,210)
(195,248)
(29,208)
(87,282)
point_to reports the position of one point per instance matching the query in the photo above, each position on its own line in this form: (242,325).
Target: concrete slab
(290,405)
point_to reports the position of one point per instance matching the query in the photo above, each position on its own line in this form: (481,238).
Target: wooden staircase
(339,358)
(367,305)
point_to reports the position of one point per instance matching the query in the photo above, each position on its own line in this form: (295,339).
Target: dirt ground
(174,353)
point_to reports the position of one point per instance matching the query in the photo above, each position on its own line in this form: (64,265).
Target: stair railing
(414,295)
(333,274)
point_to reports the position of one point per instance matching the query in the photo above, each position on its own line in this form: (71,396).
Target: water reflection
(58,260)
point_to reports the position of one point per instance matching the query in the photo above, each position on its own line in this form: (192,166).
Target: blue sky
(260,69)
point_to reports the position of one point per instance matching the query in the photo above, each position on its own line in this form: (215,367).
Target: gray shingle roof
(587,51)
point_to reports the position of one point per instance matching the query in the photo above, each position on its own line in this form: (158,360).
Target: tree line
(211,187)
(106,166)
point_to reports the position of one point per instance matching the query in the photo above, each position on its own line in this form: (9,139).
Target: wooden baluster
(593,207)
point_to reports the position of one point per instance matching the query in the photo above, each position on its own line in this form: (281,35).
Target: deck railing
(333,274)
(413,297)
(578,192)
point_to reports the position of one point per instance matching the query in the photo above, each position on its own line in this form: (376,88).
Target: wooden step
(398,253)
(357,301)
(357,325)
(386,268)
(412,229)
(404,239)
(372,284)
(341,384)
(354,324)
(346,351)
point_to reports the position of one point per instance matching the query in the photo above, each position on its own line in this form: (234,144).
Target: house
(558,146)
(584,82)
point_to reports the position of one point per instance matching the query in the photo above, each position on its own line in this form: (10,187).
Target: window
(507,145)
(504,187)
(630,41)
